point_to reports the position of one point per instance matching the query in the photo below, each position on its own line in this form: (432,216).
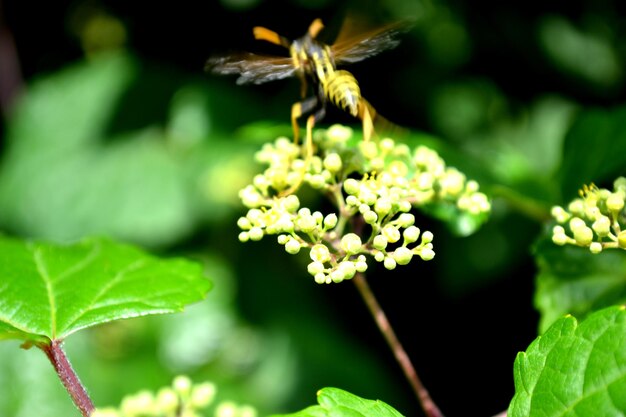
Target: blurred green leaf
(52,291)
(574,369)
(67,173)
(587,55)
(338,403)
(594,149)
(572,280)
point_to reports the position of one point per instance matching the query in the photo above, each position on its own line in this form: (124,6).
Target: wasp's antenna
(264,34)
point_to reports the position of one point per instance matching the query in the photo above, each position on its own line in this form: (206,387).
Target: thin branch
(427,403)
(68,377)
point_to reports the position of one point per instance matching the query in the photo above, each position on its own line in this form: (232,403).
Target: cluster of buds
(593,220)
(374,185)
(182,399)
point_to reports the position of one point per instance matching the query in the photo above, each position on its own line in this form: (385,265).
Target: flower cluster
(594,220)
(374,185)
(182,399)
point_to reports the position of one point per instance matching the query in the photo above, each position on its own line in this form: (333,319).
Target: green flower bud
(255,215)
(306,223)
(615,202)
(385,178)
(389,263)
(558,235)
(364,208)
(348,269)
(560,214)
(203,394)
(379,256)
(361,264)
(402,255)
(320,253)
(320,278)
(182,385)
(351,243)
(377,164)
(380,242)
(583,235)
(370,217)
(453,182)
(333,162)
(383,206)
(291,203)
(602,226)
(250,197)
(167,400)
(387,144)
(406,219)
(576,223)
(367,196)
(411,234)
(244,223)
(391,233)
(317,181)
(330,221)
(576,207)
(471,186)
(404,206)
(339,133)
(399,170)
(336,276)
(368,149)
(292,246)
(226,409)
(141,403)
(351,186)
(595,247)
(426,254)
(427,237)
(352,201)
(315,268)
(244,237)
(425,181)
(255,234)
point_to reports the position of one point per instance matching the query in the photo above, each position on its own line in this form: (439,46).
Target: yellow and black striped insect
(314,62)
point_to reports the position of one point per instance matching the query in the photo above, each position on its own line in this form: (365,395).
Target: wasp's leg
(311,120)
(264,34)
(297,110)
(315,28)
(367,114)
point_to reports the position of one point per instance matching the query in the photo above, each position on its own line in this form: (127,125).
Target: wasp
(314,63)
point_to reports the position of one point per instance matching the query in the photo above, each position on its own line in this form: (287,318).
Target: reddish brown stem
(427,403)
(68,377)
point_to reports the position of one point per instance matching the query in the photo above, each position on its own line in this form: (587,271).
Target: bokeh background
(111,127)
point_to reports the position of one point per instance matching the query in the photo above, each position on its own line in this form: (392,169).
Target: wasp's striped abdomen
(343,91)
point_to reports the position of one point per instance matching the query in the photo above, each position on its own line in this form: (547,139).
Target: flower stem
(427,403)
(68,377)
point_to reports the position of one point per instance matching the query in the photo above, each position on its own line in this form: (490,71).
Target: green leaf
(572,280)
(574,369)
(594,149)
(50,291)
(338,403)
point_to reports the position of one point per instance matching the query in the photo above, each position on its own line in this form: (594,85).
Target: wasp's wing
(251,68)
(350,49)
